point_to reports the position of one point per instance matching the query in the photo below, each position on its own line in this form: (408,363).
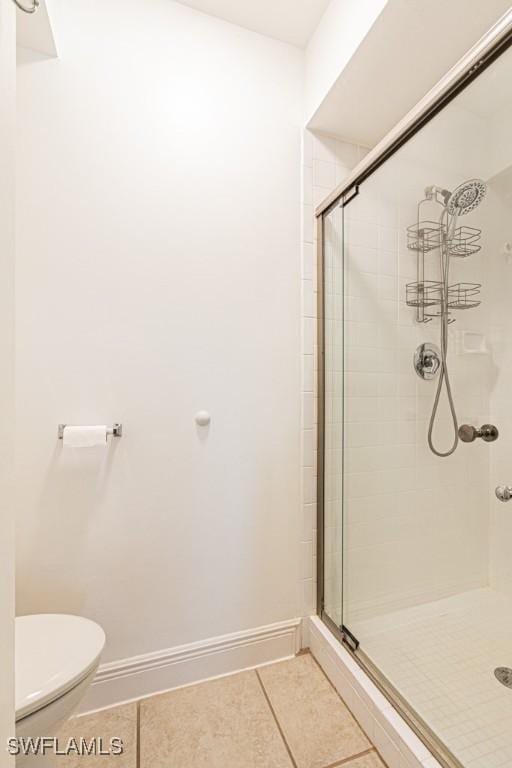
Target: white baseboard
(386,729)
(151,673)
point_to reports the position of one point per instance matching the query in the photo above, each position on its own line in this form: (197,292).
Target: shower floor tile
(286,715)
(441,657)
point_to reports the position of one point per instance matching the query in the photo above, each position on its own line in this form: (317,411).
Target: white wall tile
(324,174)
(309,235)
(308,261)
(307,185)
(308,299)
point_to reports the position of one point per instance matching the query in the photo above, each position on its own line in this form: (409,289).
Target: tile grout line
(137,761)
(275,719)
(347,760)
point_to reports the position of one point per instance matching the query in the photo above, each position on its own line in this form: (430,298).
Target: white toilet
(56,659)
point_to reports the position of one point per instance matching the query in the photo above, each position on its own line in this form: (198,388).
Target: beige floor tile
(317,725)
(117,722)
(224,723)
(372,760)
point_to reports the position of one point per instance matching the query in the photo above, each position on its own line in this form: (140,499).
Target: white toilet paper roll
(85,437)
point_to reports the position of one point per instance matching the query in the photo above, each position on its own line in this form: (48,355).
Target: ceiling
(291,21)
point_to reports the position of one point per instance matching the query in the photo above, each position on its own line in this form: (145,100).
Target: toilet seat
(54,653)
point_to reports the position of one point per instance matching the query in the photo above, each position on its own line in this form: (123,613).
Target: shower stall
(415,412)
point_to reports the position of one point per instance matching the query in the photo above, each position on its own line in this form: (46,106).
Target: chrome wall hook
(30,9)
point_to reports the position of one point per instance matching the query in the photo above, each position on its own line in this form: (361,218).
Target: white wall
(159,172)
(7,249)
(341,30)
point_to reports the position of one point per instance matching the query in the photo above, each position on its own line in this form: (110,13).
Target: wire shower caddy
(425,295)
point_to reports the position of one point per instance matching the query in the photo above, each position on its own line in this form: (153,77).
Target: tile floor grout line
(278,724)
(348,760)
(137,760)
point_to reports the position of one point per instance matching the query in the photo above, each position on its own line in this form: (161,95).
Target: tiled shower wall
(430,514)
(498,351)
(415,525)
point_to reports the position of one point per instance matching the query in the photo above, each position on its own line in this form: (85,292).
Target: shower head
(466,197)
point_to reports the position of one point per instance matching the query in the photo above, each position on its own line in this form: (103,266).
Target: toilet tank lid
(54,652)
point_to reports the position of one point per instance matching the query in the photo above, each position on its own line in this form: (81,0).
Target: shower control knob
(427,361)
(487,432)
(503,492)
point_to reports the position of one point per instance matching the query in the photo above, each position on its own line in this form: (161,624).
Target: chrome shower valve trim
(427,361)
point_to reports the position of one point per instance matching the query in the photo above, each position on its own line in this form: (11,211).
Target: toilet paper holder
(116,430)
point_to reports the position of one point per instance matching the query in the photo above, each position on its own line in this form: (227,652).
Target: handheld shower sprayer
(466,197)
